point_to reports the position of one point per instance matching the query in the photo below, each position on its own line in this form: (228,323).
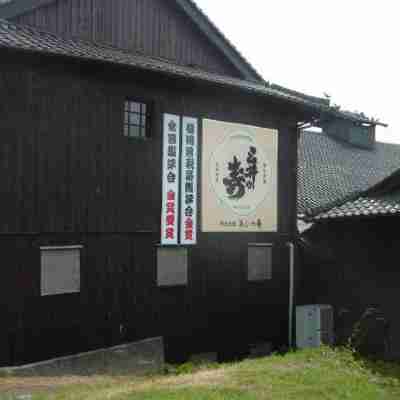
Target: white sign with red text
(189,169)
(171,175)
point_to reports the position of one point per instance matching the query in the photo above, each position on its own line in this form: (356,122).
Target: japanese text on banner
(189,181)
(171,171)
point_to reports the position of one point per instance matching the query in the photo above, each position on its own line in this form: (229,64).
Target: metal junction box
(314,326)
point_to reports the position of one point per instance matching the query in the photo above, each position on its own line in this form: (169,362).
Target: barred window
(136,119)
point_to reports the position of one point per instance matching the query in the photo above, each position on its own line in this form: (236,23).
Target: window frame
(148,113)
(163,282)
(269,273)
(44,290)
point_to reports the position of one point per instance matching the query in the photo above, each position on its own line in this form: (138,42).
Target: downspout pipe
(291,293)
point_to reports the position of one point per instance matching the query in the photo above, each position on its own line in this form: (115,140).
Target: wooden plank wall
(116,303)
(152,27)
(69,176)
(353,266)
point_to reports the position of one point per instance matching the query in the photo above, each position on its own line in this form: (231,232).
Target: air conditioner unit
(314,326)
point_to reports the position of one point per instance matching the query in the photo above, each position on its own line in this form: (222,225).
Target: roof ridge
(225,38)
(335,139)
(306,131)
(333,173)
(100,44)
(31,39)
(190,8)
(315,99)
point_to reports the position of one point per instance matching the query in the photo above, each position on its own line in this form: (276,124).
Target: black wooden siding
(152,27)
(69,176)
(353,265)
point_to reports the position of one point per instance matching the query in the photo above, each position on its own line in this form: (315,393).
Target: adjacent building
(349,203)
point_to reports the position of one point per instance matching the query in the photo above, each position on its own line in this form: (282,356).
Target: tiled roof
(333,176)
(18,7)
(366,206)
(31,39)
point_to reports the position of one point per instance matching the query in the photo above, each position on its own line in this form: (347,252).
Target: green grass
(310,375)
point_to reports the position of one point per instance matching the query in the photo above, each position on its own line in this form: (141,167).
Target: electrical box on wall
(314,326)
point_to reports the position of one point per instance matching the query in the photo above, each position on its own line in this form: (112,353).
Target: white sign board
(189,173)
(239,178)
(170,179)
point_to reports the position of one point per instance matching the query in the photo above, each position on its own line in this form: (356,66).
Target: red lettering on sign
(171,195)
(171,208)
(189,223)
(189,228)
(170,233)
(170,220)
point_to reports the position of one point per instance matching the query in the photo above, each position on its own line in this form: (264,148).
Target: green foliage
(315,374)
(189,368)
(369,335)
(5,373)
(194,394)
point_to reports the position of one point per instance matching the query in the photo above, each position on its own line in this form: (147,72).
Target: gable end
(215,35)
(22,11)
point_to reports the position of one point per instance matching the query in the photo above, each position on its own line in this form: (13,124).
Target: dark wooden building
(81,152)
(350,197)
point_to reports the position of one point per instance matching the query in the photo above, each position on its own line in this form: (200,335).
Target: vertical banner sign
(189,181)
(171,170)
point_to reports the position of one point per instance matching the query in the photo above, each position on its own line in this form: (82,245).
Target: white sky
(349,49)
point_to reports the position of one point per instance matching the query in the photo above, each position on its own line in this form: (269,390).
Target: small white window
(172,266)
(60,270)
(259,262)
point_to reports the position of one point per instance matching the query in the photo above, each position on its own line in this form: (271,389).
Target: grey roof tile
(31,39)
(13,8)
(333,174)
(365,206)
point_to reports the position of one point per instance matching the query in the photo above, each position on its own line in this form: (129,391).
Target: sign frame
(189,181)
(170,180)
(239,178)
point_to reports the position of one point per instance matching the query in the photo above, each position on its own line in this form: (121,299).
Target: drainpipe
(291,293)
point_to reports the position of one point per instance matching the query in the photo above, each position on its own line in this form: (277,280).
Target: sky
(348,49)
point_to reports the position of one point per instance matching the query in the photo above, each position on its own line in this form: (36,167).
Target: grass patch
(5,373)
(310,375)
(190,368)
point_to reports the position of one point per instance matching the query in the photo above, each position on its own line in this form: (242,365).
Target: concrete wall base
(139,357)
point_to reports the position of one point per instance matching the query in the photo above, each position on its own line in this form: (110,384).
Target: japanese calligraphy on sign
(189,181)
(171,175)
(179,208)
(239,178)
